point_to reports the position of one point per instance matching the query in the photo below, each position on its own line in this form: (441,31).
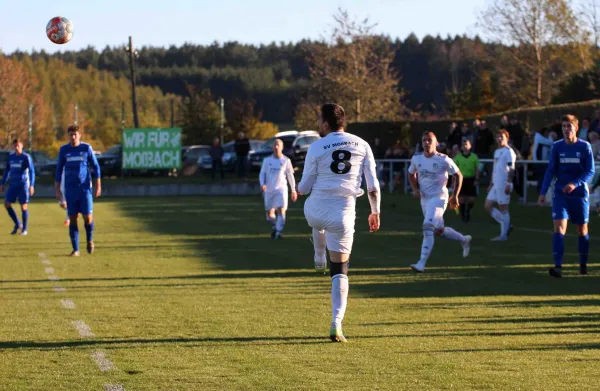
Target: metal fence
(388,170)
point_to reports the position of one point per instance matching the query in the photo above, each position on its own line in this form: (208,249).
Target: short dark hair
(427,133)
(570,118)
(334,115)
(17,141)
(73,128)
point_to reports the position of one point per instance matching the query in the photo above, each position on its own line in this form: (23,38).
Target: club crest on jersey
(578,154)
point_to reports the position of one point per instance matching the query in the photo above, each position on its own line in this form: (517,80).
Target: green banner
(151,148)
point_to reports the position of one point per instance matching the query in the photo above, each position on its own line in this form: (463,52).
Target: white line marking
(53,278)
(82,328)
(104,364)
(68,304)
(113,387)
(59,289)
(49,270)
(46,262)
(42,255)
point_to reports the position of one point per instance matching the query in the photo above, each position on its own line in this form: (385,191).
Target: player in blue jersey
(572,164)
(80,167)
(20,175)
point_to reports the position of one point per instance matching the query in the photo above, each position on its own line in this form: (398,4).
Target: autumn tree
(353,69)
(200,116)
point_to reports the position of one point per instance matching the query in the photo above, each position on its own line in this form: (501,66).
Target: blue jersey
(80,166)
(570,163)
(19,171)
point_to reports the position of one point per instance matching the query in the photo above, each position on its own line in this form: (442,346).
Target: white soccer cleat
(417,268)
(23,233)
(500,239)
(467,246)
(320,266)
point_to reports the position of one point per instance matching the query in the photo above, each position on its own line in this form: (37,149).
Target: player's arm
(31,174)
(289,173)
(373,189)
(413,179)
(550,174)
(93,162)
(309,174)
(457,179)
(589,168)
(262,176)
(60,166)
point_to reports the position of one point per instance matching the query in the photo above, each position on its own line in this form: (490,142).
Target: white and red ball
(60,30)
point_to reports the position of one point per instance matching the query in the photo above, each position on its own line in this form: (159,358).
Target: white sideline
(68,304)
(42,255)
(104,364)
(82,328)
(49,270)
(53,278)
(46,262)
(113,387)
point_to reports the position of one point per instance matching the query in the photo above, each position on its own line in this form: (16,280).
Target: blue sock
(558,248)
(74,235)
(13,216)
(584,249)
(25,219)
(89,231)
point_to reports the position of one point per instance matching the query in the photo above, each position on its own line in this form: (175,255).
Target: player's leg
(8,200)
(448,232)
(87,206)
(560,216)
(73,209)
(505,225)
(270,209)
(494,197)
(428,207)
(280,222)
(24,201)
(579,213)
(314,218)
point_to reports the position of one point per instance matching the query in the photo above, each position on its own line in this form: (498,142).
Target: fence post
(391,184)
(405,178)
(525,171)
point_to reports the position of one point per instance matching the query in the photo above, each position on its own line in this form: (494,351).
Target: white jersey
(504,161)
(432,173)
(335,164)
(273,174)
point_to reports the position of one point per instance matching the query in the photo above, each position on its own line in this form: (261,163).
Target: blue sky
(161,23)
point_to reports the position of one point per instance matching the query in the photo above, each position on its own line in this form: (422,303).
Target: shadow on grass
(243,249)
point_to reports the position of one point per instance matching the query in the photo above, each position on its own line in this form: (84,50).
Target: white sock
(339,299)
(280,222)
(506,220)
(452,234)
(67,215)
(320,245)
(499,217)
(271,220)
(426,247)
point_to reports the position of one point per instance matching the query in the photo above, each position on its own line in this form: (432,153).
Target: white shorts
(433,211)
(334,216)
(275,199)
(498,196)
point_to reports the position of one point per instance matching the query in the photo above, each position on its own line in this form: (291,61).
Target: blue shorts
(575,209)
(15,193)
(79,201)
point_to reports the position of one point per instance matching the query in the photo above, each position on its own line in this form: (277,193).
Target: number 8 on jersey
(341,161)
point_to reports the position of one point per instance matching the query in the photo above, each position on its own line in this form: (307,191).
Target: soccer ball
(60,30)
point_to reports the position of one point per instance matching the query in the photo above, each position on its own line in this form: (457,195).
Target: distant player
(502,184)
(468,164)
(79,163)
(273,174)
(428,177)
(332,175)
(572,164)
(20,175)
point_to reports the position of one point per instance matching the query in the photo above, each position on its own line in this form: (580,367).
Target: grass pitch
(192,294)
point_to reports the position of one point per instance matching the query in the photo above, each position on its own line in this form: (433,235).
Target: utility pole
(222,118)
(172,113)
(132,55)
(122,115)
(76,112)
(30,127)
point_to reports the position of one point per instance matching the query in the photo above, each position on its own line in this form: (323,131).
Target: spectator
(585,129)
(216,154)
(542,144)
(456,149)
(454,137)
(378,150)
(557,129)
(465,134)
(484,141)
(242,148)
(516,134)
(595,141)
(596,123)
(504,122)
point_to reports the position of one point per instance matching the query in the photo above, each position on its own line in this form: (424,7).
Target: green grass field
(192,294)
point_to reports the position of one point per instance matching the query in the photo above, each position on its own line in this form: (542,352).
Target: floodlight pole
(222,118)
(30,127)
(132,54)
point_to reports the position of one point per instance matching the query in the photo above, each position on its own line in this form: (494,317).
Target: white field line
(49,270)
(104,364)
(46,262)
(113,387)
(68,304)
(82,328)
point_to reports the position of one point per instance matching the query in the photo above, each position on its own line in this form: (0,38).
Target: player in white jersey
(274,171)
(428,177)
(502,184)
(332,175)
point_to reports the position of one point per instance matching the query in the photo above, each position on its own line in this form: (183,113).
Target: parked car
(229,156)
(111,161)
(191,154)
(3,160)
(295,146)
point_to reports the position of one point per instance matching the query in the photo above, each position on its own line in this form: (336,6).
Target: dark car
(229,156)
(191,154)
(111,161)
(295,146)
